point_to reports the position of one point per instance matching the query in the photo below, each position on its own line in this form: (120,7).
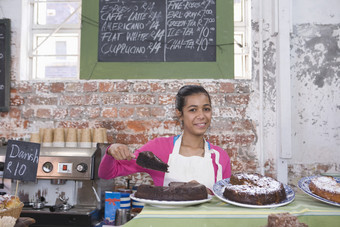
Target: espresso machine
(67,191)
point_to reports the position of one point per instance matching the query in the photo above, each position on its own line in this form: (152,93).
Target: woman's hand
(120,152)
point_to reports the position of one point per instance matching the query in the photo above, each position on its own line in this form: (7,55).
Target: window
(241,38)
(54,50)
(53,39)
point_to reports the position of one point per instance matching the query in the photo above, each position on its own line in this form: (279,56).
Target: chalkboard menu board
(157,39)
(5,63)
(22,160)
(157,30)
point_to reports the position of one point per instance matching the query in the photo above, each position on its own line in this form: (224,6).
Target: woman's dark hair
(188,90)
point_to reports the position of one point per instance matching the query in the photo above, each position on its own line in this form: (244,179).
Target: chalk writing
(17,153)
(4,64)
(22,160)
(157,30)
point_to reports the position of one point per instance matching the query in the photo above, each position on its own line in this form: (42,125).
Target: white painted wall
(316,11)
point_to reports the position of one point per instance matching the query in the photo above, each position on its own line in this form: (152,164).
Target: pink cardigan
(162,147)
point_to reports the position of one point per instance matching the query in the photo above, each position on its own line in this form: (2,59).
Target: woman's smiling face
(196,114)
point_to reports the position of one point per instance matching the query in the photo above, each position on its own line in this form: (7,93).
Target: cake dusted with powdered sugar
(255,189)
(326,187)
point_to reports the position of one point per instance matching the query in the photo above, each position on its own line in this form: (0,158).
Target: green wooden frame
(90,68)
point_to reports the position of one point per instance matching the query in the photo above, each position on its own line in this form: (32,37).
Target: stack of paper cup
(47,137)
(85,139)
(35,138)
(59,137)
(97,137)
(71,137)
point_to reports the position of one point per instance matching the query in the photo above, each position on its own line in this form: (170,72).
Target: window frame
(243,27)
(31,30)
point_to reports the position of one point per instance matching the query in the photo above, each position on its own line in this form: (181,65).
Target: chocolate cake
(326,187)
(284,220)
(176,191)
(255,189)
(149,160)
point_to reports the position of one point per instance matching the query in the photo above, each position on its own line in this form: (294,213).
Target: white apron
(185,169)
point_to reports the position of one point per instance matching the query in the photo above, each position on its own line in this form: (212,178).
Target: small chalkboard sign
(22,160)
(5,63)
(157,31)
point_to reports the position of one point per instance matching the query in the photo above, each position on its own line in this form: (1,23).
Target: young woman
(189,156)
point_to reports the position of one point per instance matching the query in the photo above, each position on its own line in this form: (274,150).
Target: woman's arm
(117,161)
(110,167)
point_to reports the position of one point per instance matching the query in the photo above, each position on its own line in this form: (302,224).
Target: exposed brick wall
(133,112)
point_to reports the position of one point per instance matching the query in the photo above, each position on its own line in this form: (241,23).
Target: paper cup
(59,137)
(47,137)
(79,131)
(35,138)
(85,140)
(71,137)
(104,131)
(91,130)
(41,134)
(97,137)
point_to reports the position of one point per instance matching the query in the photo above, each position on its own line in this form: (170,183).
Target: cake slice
(284,220)
(149,160)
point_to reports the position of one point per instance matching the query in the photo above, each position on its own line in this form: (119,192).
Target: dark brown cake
(255,189)
(284,220)
(177,191)
(149,160)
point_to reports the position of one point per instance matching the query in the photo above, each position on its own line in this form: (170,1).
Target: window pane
(57,57)
(54,13)
(239,43)
(50,46)
(238,65)
(50,68)
(238,10)
(61,49)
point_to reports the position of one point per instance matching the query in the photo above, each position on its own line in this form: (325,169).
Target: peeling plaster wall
(263,39)
(315,73)
(316,98)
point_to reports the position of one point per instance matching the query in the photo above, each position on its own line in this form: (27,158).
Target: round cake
(326,187)
(255,189)
(177,191)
